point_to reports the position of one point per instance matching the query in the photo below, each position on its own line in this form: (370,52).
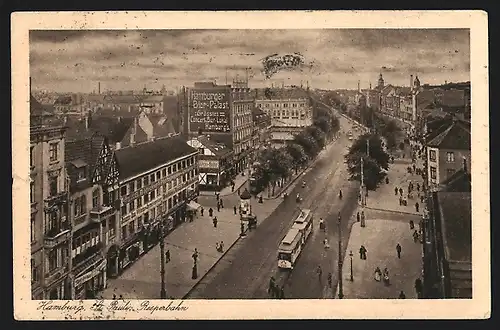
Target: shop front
(130,252)
(113,268)
(211,175)
(91,280)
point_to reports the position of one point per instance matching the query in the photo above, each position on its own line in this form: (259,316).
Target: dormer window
(80,176)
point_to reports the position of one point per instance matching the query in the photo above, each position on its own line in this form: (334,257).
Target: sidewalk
(142,279)
(384,197)
(380,239)
(239,181)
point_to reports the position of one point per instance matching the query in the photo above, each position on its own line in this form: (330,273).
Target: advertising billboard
(209,110)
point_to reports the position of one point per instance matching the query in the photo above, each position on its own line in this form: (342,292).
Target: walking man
(234,209)
(221,203)
(398,250)
(362,252)
(215,222)
(218,206)
(395,190)
(362,218)
(201,211)
(401,192)
(270,289)
(416,206)
(418,287)
(357,217)
(210,212)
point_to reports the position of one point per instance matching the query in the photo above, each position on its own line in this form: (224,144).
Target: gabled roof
(456,136)
(146,156)
(456,225)
(216,147)
(460,181)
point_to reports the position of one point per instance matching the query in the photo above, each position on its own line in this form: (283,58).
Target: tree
(274,165)
(317,134)
(308,143)
(376,161)
(298,154)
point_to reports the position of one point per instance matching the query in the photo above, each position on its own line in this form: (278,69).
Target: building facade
(157,180)
(242,105)
(214,162)
(447,150)
(50,226)
(93,222)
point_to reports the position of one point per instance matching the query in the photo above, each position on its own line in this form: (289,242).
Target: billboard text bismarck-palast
(209,110)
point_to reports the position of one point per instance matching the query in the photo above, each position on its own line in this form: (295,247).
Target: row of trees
(370,148)
(277,165)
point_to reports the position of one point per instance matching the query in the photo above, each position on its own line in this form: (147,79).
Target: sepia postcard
(250,165)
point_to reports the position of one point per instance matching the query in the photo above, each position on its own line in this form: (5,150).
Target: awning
(193,206)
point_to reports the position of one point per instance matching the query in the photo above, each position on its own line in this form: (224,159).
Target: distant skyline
(75,61)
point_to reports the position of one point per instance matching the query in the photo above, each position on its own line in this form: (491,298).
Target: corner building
(157,180)
(50,226)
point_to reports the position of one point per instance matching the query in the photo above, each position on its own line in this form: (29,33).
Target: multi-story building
(224,112)
(290,111)
(157,182)
(261,128)
(50,226)
(93,222)
(447,150)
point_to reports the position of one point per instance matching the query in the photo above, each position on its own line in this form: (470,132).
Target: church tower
(416,83)
(380,81)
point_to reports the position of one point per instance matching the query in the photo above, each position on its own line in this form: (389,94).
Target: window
(112,224)
(95,198)
(80,174)
(32,162)
(152,178)
(170,167)
(164,188)
(170,203)
(124,209)
(450,172)
(123,190)
(139,202)
(132,206)
(124,232)
(432,155)
(152,195)
(433,172)
(139,184)
(450,157)
(52,256)
(169,185)
(164,172)
(34,272)
(158,176)
(183,164)
(146,198)
(131,227)
(33,230)
(132,186)
(53,185)
(53,151)
(32,192)
(146,181)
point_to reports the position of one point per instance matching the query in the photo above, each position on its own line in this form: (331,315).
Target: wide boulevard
(244,272)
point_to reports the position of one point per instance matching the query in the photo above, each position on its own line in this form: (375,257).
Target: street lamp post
(163,291)
(341,289)
(350,255)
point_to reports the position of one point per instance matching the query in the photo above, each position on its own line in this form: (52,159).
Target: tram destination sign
(209,110)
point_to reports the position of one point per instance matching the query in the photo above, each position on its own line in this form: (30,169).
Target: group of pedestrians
(274,290)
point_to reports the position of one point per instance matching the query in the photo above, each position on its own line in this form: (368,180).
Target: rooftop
(143,157)
(456,225)
(455,136)
(216,147)
(281,93)
(460,181)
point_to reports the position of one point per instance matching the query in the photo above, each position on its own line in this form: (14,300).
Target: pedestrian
(422,199)
(167,256)
(282,292)
(234,209)
(395,190)
(398,250)
(387,180)
(416,206)
(358,217)
(210,212)
(270,288)
(402,295)
(215,222)
(221,246)
(114,296)
(401,192)
(362,252)
(418,287)
(330,280)
(121,297)
(216,197)
(415,236)
(412,225)
(418,186)
(414,167)
(319,271)
(218,207)
(221,203)
(400,201)
(201,211)
(363,218)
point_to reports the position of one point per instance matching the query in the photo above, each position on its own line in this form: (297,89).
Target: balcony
(57,235)
(97,214)
(58,198)
(56,274)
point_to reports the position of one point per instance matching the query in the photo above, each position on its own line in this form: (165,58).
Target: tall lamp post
(163,291)
(341,288)
(350,255)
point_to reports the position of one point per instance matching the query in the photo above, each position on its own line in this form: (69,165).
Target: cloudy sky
(75,61)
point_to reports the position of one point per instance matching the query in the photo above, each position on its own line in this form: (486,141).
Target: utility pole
(341,288)
(163,291)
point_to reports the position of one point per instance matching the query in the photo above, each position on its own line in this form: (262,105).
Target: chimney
(118,145)
(411,82)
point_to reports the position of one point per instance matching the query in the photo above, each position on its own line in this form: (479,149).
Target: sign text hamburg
(209,111)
